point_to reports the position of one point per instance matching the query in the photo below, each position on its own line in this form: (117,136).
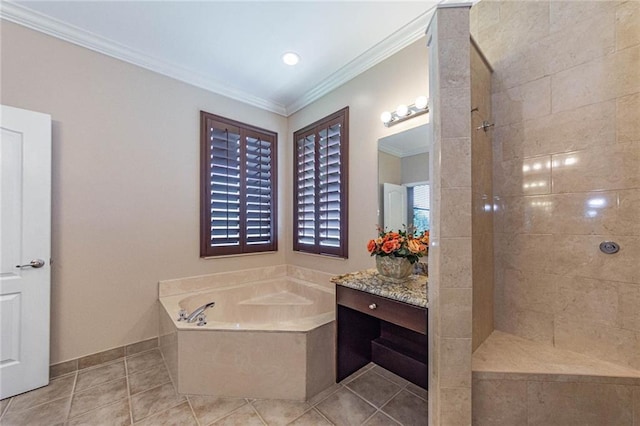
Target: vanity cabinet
(381,329)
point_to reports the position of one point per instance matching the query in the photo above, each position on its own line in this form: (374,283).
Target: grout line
(72,396)
(126,375)
(322,415)
(258,414)
(6,408)
(193,412)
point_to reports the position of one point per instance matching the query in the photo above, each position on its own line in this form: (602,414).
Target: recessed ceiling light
(290,58)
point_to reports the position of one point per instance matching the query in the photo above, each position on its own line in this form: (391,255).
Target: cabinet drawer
(399,313)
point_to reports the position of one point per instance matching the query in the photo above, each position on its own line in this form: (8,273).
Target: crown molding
(397,41)
(28,18)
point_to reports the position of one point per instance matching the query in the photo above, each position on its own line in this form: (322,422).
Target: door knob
(36,263)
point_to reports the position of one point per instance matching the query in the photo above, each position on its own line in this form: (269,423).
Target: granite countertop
(412,291)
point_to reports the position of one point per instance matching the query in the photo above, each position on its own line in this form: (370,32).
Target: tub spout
(194,315)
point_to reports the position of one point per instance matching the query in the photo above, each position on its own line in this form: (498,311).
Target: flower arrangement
(400,244)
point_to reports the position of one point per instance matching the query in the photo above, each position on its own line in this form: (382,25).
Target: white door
(395,206)
(25,239)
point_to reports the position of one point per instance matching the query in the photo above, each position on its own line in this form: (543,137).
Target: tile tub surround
(271,338)
(412,291)
(517,381)
(100,396)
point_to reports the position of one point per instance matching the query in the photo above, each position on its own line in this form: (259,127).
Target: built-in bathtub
(269,335)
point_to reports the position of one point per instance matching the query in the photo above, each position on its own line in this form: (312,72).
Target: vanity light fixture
(404,112)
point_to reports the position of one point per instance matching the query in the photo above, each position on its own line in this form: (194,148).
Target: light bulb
(421,102)
(385,117)
(402,110)
(290,58)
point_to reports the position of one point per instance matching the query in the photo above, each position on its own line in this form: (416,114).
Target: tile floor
(137,390)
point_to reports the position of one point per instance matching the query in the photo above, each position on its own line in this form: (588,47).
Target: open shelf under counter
(384,322)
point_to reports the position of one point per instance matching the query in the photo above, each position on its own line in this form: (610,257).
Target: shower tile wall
(566,103)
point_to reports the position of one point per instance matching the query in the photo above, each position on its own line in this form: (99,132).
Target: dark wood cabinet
(390,333)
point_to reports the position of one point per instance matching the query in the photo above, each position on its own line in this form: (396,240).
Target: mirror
(403,178)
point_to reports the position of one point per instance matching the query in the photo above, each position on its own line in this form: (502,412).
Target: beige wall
(399,79)
(125,185)
(566,102)
(389,170)
(415,168)
(125,180)
(482,199)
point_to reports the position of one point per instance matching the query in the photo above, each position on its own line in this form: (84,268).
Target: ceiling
(234,48)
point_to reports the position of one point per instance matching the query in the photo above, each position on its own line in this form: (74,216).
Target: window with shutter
(238,187)
(320,186)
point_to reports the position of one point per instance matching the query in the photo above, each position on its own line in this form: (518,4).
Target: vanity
(382,322)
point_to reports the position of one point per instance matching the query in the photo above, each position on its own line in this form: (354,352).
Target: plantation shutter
(259,200)
(306,191)
(238,205)
(320,192)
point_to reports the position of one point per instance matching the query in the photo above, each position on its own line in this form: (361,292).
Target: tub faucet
(194,315)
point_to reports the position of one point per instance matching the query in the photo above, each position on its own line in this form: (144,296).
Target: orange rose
(415,246)
(390,246)
(371,246)
(425,238)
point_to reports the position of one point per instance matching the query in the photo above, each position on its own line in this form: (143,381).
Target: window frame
(339,117)
(244,131)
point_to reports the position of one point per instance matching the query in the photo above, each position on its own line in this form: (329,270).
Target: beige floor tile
(144,361)
(3,405)
(357,373)
(374,388)
(178,415)
(208,409)
(390,376)
(381,419)
(154,400)
(98,396)
(63,368)
(48,414)
(324,394)
(279,412)
(56,389)
(148,379)
(245,416)
(345,408)
(407,409)
(98,375)
(311,418)
(417,390)
(112,415)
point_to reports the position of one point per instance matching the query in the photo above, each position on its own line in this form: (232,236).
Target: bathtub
(272,338)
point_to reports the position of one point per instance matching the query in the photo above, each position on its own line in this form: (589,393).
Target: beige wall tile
(536,326)
(455,305)
(589,300)
(592,213)
(629,306)
(596,81)
(534,291)
(627,24)
(636,406)
(553,403)
(456,212)
(600,168)
(531,176)
(455,69)
(499,402)
(455,406)
(527,252)
(455,262)
(580,255)
(600,341)
(455,368)
(524,102)
(628,117)
(455,104)
(566,14)
(456,156)
(532,215)
(453,23)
